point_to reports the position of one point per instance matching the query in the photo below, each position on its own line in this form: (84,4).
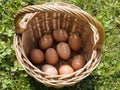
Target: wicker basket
(33,21)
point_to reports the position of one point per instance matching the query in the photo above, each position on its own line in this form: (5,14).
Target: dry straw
(32,21)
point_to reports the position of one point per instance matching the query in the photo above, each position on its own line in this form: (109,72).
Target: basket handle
(47,7)
(63,8)
(100,28)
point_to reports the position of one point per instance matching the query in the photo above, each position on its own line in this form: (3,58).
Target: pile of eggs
(58,53)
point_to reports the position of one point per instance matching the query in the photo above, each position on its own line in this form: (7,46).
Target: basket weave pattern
(40,19)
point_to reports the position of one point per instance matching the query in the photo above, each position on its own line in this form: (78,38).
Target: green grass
(105,77)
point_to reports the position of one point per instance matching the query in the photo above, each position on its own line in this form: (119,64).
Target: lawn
(105,77)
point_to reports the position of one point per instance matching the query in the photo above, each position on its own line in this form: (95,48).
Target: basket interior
(41,23)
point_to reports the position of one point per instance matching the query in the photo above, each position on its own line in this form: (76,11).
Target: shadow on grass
(86,84)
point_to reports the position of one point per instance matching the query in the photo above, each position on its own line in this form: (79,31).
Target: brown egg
(36,56)
(74,41)
(63,50)
(51,56)
(65,69)
(78,62)
(60,35)
(45,41)
(49,69)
